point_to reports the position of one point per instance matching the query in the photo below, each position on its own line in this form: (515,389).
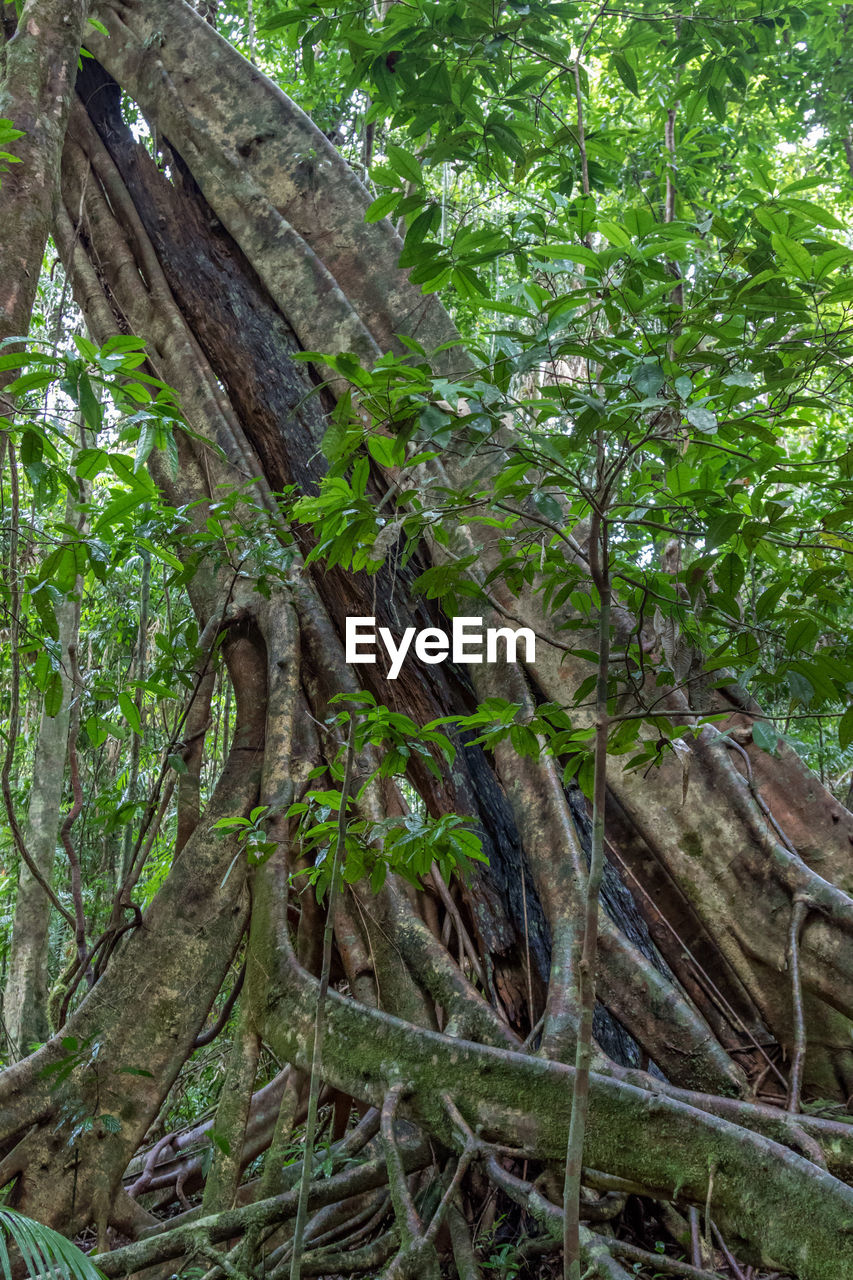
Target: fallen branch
(168,1245)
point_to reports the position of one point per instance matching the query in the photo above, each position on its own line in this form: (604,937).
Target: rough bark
(36,89)
(143,1015)
(264,143)
(245,331)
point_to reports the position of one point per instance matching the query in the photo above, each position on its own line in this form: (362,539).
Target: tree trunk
(228,109)
(36,89)
(126,1043)
(248,253)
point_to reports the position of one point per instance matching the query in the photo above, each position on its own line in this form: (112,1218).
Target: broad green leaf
(625,72)
(845,729)
(405,164)
(702,419)
(793,255)
(130,711)
(765,736)
(53,695)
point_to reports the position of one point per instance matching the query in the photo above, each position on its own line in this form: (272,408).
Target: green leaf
(53,695)
(423,224)
(615,233)
(469,283)
(382,207)
(97,730)
(90,405)
(130,711)
(334,440)
(405,164)
(717,103)
(220,1141)
(845,729)
(802,689)
(384,449)
(648,378)
(765,736)
(794,256)
(144,445)
(801,635)
(626,73)
(44,1250)
(702,419)
(168,442)
(89,462)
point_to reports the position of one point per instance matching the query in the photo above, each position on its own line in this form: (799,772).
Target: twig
(206,643)
(658,1262)
(208,1036)
(735,1269)
(453,911)
(450,1194)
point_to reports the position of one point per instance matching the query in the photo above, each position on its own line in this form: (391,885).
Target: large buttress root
(524,1102)
(244,140)
(166,976)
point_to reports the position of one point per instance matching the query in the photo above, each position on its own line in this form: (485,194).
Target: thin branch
(15,695)
(208,1036)
(599,570)
(319,1021)
(75,811)
(727,1254)
(799,911)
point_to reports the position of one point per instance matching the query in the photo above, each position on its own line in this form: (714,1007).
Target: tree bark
(36,90)
(137,1026)
(268,167)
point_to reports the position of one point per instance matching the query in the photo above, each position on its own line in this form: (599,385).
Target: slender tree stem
(140,663)
(583,1056)
(75,810)
(799,911)
(319,1022)
(15,694)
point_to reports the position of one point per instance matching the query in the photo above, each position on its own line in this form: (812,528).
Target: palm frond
(44,1251)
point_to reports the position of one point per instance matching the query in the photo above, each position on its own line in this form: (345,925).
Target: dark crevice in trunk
(250,346)
(283,410)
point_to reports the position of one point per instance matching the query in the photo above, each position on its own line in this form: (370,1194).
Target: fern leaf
(44,1251)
